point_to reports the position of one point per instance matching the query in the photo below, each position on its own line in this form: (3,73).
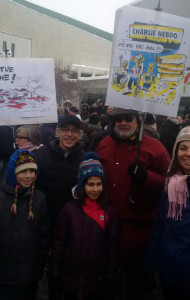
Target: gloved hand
(137,173)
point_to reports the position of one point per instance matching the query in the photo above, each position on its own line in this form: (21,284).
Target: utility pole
(158,8)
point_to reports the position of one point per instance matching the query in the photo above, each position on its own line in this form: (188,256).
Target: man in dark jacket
(58,163)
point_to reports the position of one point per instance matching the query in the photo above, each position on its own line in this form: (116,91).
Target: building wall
(53,38)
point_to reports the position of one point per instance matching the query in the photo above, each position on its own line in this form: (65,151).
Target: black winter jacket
(58,174)
(23,244)
(83,253)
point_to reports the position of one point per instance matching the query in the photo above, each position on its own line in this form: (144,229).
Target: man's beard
(124,135)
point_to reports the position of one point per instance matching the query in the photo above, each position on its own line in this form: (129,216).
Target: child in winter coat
(23,229)
(169,249)
(85,249)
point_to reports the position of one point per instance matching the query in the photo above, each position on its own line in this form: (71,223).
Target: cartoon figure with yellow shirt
(148,77)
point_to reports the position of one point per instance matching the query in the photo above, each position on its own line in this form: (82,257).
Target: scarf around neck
(28,146)
(177,196)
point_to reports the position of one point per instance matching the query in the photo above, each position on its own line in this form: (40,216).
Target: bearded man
(133,189)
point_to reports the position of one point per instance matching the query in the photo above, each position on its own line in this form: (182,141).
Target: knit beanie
(183,135)
(19,161)
(25,161)
(89,167)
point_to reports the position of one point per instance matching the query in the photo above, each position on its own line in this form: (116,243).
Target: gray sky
(98,13)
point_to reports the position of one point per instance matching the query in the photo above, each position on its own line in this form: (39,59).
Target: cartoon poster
(150,54)
(186,88)
(27,91)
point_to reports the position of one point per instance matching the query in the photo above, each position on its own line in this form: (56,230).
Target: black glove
(137,173)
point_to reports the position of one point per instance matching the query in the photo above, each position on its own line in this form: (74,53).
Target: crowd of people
(80,198)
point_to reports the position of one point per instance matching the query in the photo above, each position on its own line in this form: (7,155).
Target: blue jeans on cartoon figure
(132,80)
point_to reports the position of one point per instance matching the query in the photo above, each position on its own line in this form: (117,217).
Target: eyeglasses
(21,137)
(66,130)
(127,118)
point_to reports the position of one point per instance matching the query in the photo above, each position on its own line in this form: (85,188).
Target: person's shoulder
(77,151)
(110,211)
(50,147)
(5,188)
(151,140)
(40,150)
(154,146)
(73,204)
(106,141)
(70,208)
(39,193)
(6,192)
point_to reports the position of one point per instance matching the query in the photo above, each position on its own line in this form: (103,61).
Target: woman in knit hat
(86,238)
(169,249)
(23,229)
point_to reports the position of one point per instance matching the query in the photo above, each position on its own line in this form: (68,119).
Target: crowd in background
(76,195)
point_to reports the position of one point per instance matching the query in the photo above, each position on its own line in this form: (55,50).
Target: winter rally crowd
(76,199)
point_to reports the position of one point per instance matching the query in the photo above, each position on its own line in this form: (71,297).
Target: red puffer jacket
(137,220)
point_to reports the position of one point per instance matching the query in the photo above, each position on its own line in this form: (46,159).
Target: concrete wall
(53,38)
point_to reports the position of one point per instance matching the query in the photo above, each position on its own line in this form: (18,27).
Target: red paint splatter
(186,78)
(19,106)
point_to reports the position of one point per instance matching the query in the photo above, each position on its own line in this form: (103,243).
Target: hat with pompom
(90,166)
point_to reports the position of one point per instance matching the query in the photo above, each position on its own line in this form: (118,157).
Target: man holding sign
(133,188)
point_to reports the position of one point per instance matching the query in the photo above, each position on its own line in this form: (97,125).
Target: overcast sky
(99,13)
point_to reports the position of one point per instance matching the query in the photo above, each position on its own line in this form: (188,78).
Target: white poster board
(27,91)
(186,88)
(150,54)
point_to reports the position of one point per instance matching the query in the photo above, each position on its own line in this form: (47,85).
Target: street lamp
(158,8)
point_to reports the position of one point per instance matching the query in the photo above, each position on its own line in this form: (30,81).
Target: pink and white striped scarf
(177,196)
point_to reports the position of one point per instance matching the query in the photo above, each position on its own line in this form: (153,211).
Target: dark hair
(92,110)
(94,119)
(101,199)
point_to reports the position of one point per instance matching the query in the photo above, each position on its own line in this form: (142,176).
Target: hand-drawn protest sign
(150,52)
(27,91)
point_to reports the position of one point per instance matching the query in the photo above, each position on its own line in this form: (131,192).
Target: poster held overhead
(149,58)
(27,91)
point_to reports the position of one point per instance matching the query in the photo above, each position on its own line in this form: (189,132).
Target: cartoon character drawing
(148,77)
(135,74)
(120,73)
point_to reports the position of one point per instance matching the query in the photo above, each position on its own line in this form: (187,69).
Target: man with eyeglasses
(58,164)
(133,189)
